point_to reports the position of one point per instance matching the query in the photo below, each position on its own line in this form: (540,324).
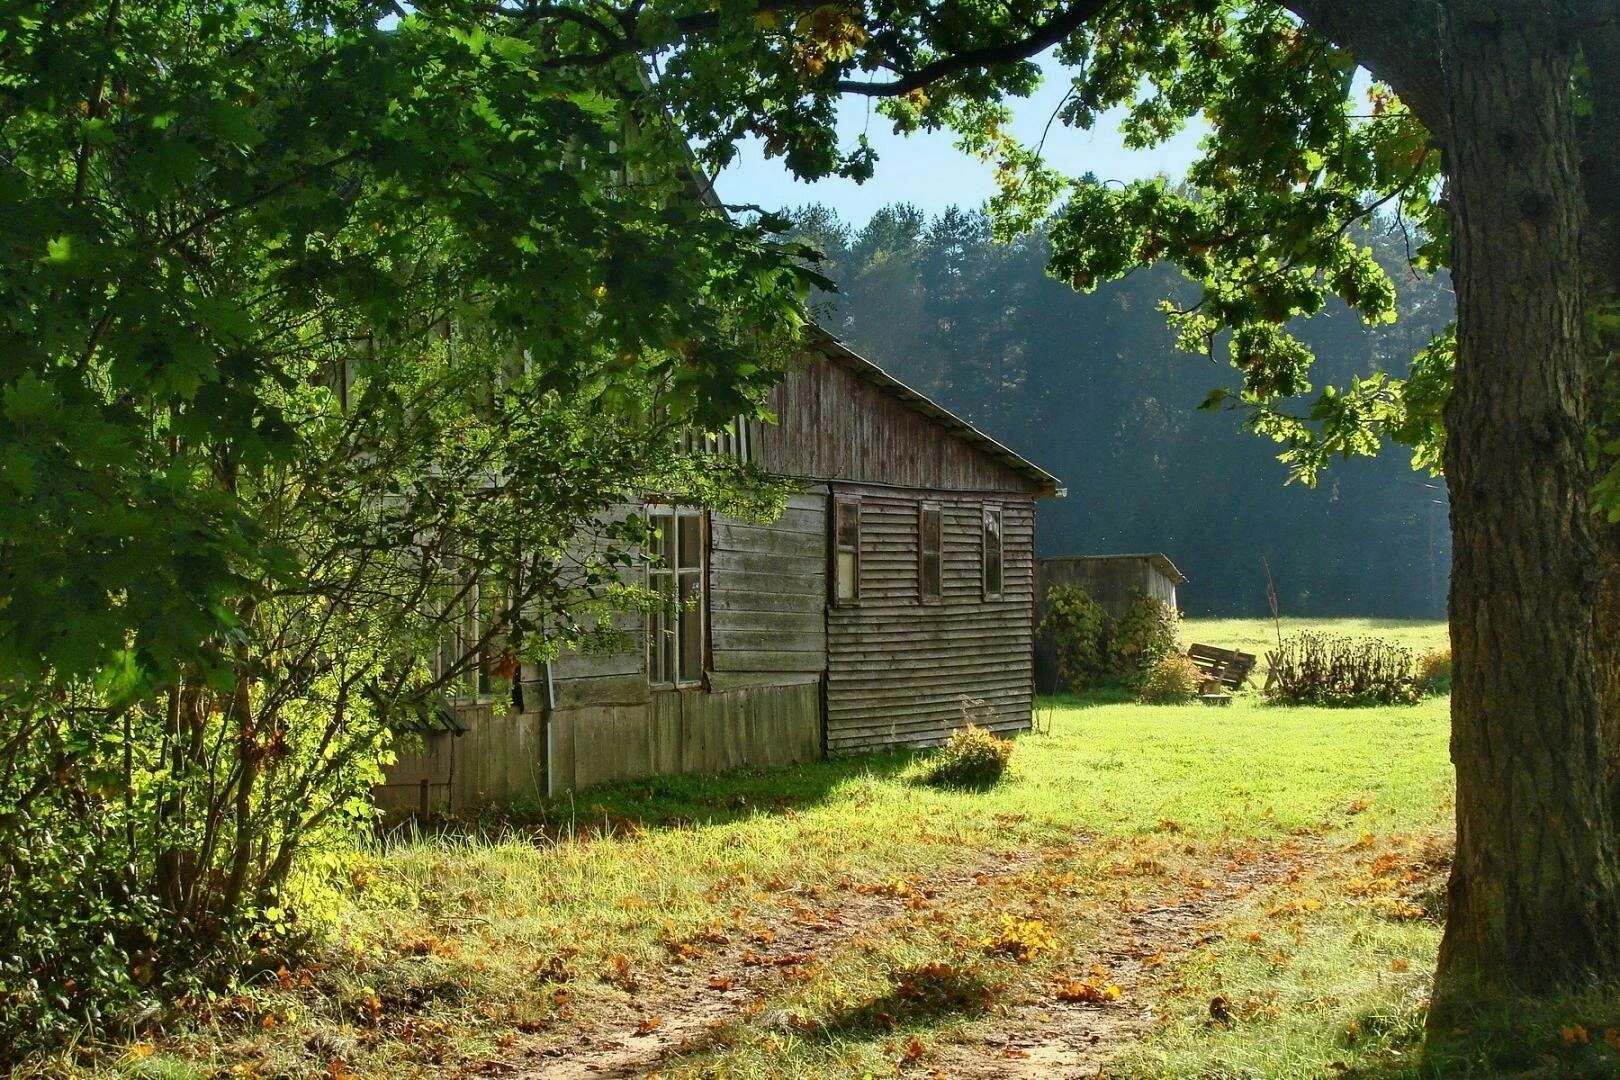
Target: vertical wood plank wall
(898,668)
(834,425)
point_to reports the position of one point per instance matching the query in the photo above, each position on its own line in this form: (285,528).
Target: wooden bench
(1223,669)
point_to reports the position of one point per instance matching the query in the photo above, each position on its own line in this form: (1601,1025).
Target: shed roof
(1159,560)
(837,352)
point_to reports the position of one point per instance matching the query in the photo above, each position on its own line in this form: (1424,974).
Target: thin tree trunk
(1534,903)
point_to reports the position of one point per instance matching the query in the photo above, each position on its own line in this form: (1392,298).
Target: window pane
(928,571)
(849,524)
(992,552)
(847,569)
(666,649)
(691,628)
(663,545)
(655,655)
(661,628)
(691,541)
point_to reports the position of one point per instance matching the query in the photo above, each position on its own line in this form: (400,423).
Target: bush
(1173,680)
(1139,637)
(973,757)
(1434,672)
(1316,669)
(1077,627)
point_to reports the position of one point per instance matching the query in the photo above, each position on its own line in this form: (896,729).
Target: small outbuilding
(1112,580)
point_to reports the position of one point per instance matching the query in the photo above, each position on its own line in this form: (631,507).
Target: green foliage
(1434,671)
(209,206)
(324,330)
(1097,649)
(1076,626)
(1174,680)
(1299,151)
(1319,669)
(1141,636)
(973,757)
(981,328)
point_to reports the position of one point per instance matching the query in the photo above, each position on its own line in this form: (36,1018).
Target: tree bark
(1600,179)
(1534,901)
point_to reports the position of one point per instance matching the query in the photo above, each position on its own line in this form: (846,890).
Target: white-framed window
(993,554)
(470,641)
(676,560)
(846,583)
(930,553)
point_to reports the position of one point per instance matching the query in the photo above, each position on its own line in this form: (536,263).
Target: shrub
(1077,625)
(973,757)
(1316,669)
(1173,680)
(1434,672)
(1139,637)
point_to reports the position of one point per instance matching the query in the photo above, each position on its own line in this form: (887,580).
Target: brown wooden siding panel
(767,595)
(834,425)
(898,668)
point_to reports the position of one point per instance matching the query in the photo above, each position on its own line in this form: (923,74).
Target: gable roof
(1046,485)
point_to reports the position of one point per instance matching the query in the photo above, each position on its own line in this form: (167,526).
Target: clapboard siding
(767,593)
(898,668)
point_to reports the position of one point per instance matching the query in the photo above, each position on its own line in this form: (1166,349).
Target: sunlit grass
(1258,636)
(453,947)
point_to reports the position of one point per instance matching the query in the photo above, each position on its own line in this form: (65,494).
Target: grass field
(1259,635)
(1247,891)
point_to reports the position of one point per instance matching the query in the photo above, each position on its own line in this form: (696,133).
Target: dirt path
(704,994)
(1056,1040)
(1041,1037)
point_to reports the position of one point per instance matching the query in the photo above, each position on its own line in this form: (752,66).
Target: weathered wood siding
(1112,581)
(500,757)
(767,650)
(786,677)
(899,668)
(767,597)
(834,425)
(686,731)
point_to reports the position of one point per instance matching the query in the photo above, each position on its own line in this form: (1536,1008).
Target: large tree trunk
(1600,178)
(1534,902)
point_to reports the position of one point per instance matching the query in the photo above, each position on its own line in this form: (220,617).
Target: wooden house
(1112,580)
(899,581)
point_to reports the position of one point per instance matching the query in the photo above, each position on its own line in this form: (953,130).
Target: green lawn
(1260,635)
(471,951)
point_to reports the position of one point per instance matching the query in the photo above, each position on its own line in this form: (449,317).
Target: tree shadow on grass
(917,996)
(632,807)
